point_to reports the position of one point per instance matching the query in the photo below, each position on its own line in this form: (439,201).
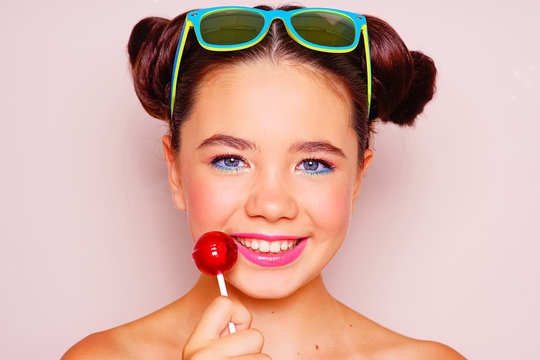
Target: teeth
(265,246)
(275,247)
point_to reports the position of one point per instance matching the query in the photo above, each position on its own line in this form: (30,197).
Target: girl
(270,123)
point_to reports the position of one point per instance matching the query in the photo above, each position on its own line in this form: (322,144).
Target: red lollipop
(216,253)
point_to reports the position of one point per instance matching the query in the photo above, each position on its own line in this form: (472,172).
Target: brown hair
(403,81)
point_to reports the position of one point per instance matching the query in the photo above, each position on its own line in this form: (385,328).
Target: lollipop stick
(223,291)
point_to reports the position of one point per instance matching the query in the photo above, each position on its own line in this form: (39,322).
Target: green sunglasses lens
(231,27)
(324,28)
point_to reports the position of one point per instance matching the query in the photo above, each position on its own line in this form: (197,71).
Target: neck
(302,302)
(280,320)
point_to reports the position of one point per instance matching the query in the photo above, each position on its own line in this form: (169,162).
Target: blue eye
(314,166)
(232,163)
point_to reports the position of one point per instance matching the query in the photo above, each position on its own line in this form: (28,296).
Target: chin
(264,293)
(265,286)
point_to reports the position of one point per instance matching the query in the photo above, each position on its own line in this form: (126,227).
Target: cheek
(210,202)
(330,206)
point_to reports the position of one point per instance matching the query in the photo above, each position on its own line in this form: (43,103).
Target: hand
(211,338)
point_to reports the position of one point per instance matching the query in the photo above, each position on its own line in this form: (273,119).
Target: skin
(285,312)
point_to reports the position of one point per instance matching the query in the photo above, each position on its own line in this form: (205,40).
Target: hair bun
(420,93)
(144,32)
(403,81)
(151,49)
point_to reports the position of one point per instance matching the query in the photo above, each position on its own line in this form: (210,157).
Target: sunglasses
(230,28)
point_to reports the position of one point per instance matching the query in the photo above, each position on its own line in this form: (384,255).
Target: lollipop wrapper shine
(215,252)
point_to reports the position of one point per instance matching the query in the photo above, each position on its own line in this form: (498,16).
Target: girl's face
(269,150)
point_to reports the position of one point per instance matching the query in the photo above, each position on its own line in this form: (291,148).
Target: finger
(217,316)
(248,341)
(253,357)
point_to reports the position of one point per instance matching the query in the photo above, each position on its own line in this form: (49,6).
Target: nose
(271,198)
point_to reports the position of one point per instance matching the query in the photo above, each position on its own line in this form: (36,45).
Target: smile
(269,251)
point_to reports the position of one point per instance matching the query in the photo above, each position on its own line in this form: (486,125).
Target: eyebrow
(297,146)
(227,140)
(316,146)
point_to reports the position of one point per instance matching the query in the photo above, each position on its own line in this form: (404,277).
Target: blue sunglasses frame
(194,18)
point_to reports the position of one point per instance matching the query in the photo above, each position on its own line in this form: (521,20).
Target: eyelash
(215,163)
(328,166)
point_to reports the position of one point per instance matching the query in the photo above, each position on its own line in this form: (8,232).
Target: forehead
(265,75)
(264,98)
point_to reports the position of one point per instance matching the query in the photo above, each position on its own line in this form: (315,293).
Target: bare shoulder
(141,339)
(375,341)
(392,345)
(159,335)
(420,350)
(108,344)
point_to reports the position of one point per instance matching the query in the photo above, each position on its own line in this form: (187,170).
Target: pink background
(443,245)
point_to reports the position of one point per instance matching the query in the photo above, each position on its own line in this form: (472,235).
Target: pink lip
(267,259)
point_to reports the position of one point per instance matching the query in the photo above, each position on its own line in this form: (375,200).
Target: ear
(368,155)
(174,175)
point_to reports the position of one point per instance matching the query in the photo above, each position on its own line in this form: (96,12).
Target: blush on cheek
(331,209)
(200,204)
(209,203)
